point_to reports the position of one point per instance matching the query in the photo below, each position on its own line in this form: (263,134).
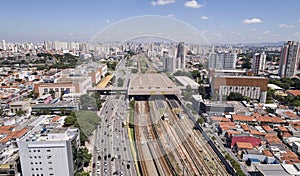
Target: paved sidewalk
(90,147)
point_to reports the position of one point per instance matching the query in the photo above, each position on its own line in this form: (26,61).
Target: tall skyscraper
(222,60)
(289,59)
(258,62)
(4,45)
(180,56)
(169,63)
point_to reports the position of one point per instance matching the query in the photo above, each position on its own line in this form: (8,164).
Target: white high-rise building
(169,63)
(48,152)
(4,45)
(222,60)
(258,62)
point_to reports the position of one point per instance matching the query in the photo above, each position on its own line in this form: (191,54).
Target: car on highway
(105,170)
(98,163)
(105,163)
(98,172)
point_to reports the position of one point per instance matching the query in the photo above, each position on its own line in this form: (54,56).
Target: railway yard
(167,142)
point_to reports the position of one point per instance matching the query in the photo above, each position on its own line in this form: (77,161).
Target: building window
(32,168)
(40,157)
(29,151)
(56,90)
(50,168)
(35,157)
(49,162)
(40,162)
(39,150)
(48,150)
(30,157)
(49,156)
(45,90)
(34,150)
(36,162)
(31,162)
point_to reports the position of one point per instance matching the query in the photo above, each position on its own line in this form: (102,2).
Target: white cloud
(171,15)
(193,4)
(107,21)
(266,32)
(298,20)
(252,21)
(296,34)
(162,2)
(285,26)
(204,17)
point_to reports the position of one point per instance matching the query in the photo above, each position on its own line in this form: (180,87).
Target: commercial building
(64,86)
(20,106)
(169,63)
(186,81)
(151,84)
(258,62)
(222,60)
(47,150)
(289,59)
(180,64)
(250,86)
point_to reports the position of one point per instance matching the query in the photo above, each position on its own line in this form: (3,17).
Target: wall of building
(46,157)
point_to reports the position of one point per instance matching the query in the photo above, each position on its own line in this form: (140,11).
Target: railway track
(190,155)
(141,160)
(157,152)
(200,159)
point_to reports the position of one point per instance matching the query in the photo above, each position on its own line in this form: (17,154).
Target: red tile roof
(236,117)
(245,127)
(267,128)
(267,153)
(291,115)
(293,92)
(282,129)
(244,145)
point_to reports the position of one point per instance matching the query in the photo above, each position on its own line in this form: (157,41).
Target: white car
(98,163)
(98,172)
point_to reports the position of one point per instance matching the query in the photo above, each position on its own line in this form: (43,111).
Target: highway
(112,152)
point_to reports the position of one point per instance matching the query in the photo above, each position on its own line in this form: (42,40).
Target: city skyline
(218,21)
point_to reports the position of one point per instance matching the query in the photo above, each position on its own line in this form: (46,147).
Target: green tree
(84,156)
(87,102)
(200,120)
(234,96)
(20,112)
(195,74)
(120,82)
(246,64)
(70,120)
(202,91)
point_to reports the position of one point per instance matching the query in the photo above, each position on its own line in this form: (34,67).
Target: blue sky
(222,21)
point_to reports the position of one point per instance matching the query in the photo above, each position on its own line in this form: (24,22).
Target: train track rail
(141,160)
